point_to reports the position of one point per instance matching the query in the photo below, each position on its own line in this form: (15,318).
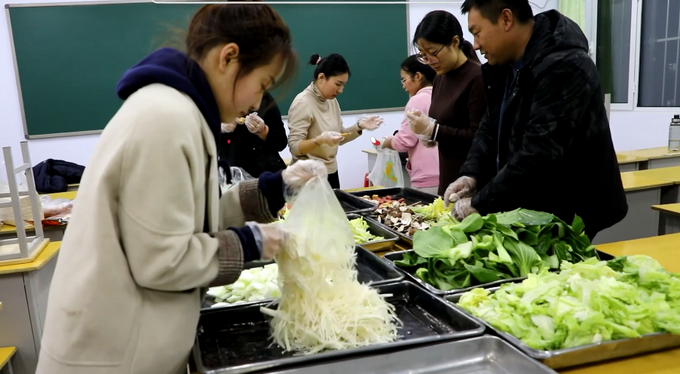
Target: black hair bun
(314,59)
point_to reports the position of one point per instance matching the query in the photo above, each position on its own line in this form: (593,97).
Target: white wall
(352,162)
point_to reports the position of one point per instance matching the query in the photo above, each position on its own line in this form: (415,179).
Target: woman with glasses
(458,98)
(423,160)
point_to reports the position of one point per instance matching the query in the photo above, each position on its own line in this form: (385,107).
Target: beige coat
(311,114)
(126,293)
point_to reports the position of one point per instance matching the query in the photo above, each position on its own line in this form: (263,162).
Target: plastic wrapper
(56,211)
(237,175)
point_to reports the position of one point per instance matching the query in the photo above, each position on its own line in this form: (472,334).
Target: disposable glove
(254,123)
(385,143)
(270,238)
(228,127)
(461,188)
(330,138)
(369,123)
(463,208)
(297,175)
(421,125)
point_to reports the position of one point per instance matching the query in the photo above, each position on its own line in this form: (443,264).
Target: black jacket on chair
(246,150)
(55,175)
(554,150)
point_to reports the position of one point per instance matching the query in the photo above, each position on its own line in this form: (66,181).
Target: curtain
(576,10)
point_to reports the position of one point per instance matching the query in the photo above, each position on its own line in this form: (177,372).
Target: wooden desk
(658,157)
(631,163)
(669,195)
(23,291)
(641,193)
(54,233)
(6,354)
(669,218)
(666,250)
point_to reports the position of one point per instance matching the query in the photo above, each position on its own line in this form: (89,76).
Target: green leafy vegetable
(584,303)
(485,249)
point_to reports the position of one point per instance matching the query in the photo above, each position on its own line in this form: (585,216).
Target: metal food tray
(410,196)
(370,268)
(586,354)
(409,273)
(352,204)
(237,340)
(378,229)
(480,355)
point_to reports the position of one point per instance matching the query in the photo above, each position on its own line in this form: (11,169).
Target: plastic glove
(369,123)
(461,188)
(420,124)
(270,238)
(228,127)
(463,208)
(385,143)
(254,123)
(297,175)
(329,138)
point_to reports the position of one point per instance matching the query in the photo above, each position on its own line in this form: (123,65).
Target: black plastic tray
(237,340)
(371,269)
(352,204)
(409,273)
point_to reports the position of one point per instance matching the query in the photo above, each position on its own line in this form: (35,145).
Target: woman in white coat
(150,231)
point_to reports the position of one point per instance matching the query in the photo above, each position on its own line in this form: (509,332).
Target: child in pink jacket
(423,162)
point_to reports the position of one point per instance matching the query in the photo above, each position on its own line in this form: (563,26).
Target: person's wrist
(316,142)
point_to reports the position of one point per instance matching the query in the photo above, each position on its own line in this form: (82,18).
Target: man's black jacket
(246,150)
(555,151)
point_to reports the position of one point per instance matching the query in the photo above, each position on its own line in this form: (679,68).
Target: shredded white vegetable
(322,305)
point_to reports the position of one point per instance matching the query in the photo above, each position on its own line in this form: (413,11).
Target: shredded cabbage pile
(253,285)
(585,303)
(322,305)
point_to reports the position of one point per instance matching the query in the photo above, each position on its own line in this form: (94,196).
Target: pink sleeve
(405,138)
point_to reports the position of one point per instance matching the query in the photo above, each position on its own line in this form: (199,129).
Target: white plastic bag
(387,171)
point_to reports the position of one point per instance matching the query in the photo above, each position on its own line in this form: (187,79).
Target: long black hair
(412,66)
(331,65)
(440,27)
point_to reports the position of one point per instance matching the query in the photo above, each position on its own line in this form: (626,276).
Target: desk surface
(664,249)
(668,208)
(632,181)
(5,354)
(650,153)
(71,195)
(670,174)
(50,250)
(629,159)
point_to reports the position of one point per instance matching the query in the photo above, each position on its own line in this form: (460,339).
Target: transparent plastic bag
(387,171)
(237,175)
(322,305)
(58,210)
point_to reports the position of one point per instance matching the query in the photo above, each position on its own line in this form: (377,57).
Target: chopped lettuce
(584,303)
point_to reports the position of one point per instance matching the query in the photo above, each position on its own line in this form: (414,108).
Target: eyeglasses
(424,59)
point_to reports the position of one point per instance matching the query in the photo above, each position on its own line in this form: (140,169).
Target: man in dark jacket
(255,147)
(544,143)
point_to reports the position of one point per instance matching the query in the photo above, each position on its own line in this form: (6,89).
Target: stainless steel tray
(409,273)
(481,355)
(586,354)
(371,269)
(375,228)
(237,340)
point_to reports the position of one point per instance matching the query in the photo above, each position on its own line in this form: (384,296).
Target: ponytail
(469,51)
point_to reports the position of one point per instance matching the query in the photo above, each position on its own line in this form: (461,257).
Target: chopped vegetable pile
(322,305)
(359,227)
(585,303)
(478,250)
(407,219)
(253,285)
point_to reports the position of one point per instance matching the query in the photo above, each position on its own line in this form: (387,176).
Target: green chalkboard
(69,57)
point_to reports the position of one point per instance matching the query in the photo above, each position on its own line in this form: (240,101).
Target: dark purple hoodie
(175,69)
